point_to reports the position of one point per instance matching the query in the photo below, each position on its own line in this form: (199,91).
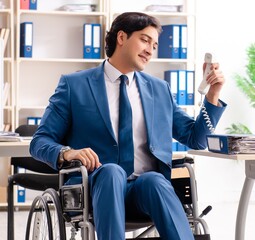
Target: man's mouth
(145,59)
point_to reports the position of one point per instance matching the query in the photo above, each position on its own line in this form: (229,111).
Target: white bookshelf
(57,50)
(7,21)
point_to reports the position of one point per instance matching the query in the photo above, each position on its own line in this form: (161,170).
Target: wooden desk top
(206,153)
(14,149)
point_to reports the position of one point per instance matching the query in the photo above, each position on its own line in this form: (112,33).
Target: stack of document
(9,137)
(231,143)
(164,8)
(78,8)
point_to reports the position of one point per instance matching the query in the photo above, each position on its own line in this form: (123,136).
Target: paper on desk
(9,137)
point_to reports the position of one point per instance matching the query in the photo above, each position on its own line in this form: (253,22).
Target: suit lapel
(98,88)
(146,90)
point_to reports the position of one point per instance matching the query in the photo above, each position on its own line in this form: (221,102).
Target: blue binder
(91,40)
(181,147)
(26,39)
(183,41)
(96,43)
(190,80)
(21,191)
(231,143)
(33,4)
(182,90)
(171,77)
(87,40)
(174,146)
(169,42)
(21,194)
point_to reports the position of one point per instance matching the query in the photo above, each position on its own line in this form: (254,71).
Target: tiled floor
(221,222)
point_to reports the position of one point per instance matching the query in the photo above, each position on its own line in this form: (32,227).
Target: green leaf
(238,128)
(247,83)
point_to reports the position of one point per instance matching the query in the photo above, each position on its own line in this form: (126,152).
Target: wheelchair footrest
(202,237)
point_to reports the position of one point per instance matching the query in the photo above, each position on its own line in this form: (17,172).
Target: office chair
(52,211)
(41,178)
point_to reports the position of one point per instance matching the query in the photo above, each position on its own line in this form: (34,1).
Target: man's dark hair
(128,22)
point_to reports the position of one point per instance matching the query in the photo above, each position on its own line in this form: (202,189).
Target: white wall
(225,28)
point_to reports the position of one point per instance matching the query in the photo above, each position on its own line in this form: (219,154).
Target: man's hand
(216,80)
(86,155)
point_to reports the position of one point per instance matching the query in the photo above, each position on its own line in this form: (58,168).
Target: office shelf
(7,21)
(57,50)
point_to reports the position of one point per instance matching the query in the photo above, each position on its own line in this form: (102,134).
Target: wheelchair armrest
(179,161)
(71,164)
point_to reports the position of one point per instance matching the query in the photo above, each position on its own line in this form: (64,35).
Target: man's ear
(121,36)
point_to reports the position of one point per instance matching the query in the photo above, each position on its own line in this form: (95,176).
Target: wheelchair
(53,212)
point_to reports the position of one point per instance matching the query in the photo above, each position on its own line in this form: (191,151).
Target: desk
(14,149)
(247,187)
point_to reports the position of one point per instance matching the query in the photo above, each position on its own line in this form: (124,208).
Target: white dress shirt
(143,160)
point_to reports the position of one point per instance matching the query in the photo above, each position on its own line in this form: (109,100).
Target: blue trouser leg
(153,195)
(107,189)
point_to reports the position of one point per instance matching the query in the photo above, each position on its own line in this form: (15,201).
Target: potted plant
(247,85)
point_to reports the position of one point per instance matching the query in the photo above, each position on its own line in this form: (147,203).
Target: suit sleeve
(192,132)
(48,139)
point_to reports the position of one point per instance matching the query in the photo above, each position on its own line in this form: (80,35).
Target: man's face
(137,50)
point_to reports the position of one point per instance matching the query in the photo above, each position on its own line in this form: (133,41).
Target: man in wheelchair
(119,122)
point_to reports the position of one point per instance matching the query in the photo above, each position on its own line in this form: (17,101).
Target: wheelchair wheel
(39,222)
(57,220)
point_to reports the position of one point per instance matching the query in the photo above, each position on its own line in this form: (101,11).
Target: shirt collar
(113,73)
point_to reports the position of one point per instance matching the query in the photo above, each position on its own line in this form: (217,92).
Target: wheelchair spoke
(39,223)
(57,220)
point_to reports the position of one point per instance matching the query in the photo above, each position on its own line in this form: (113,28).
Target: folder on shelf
(181,147)
(21,191)
(87,40)
(182,90)
(183,41)
(174,146)
(169,42)
(91,40)
(24,4)
(171,77)
(34,120)
(96,43)
(190,87)
(31,121)
(26,39)
(33,4)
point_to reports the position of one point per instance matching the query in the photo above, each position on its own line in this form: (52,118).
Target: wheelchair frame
(56,208)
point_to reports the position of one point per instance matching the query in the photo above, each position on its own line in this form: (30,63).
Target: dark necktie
(126,147)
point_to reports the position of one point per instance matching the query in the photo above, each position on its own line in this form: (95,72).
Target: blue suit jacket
(78,116)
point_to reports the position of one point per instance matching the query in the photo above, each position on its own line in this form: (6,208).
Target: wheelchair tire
(57,221)
(39,221)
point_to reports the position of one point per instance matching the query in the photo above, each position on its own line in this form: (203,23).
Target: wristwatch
(61,153)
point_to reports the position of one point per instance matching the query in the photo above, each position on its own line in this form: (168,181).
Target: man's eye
(144,40)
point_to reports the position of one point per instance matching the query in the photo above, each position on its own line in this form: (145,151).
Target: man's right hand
(86,155)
